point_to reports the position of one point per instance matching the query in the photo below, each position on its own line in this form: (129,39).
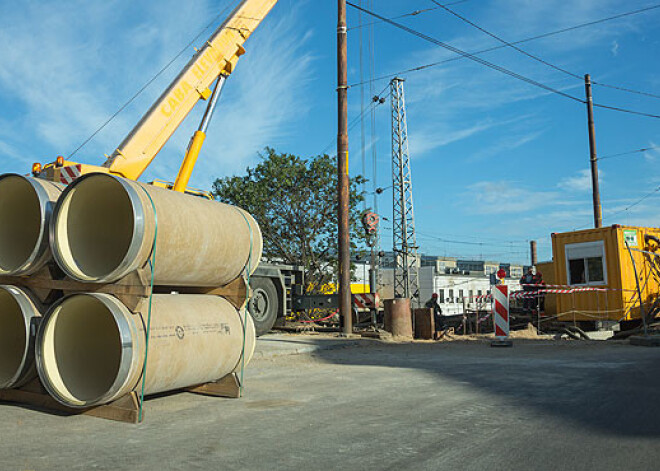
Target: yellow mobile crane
(272,285)
(213,62)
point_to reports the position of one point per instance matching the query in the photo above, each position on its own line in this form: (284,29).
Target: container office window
(585,263)
(442,296)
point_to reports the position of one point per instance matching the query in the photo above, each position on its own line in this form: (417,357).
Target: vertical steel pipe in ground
(103,228)
(90,348)
(26,205)
(398,317)
(18,314)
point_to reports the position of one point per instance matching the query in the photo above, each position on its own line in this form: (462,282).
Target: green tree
(294,200)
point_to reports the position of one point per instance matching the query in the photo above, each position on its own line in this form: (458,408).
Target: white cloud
(579,182)
(68,66)
(500,197)
(615,48)
(653,153)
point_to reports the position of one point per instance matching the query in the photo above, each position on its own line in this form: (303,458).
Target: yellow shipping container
(598,258)
(547,269)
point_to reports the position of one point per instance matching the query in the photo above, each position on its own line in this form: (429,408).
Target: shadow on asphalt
(610,388)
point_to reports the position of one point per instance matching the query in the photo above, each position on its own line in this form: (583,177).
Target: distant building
(441,264)
(478,267)
(511,270)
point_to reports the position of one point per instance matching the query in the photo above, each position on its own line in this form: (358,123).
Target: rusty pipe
(90,348)
(19,312)
(26,205)
(103,228)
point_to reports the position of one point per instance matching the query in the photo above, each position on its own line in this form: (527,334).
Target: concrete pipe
(18,314)
(26,205)
(103,228)
(90,348)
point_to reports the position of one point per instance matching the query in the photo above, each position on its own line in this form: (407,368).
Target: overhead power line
(621,154)
(467,55)
(533,38)
(376,100)
(152,79)
(493,66)
(648,195)
(537,58)
(412,13)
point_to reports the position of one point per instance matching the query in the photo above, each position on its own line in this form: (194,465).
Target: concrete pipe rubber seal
(26,205)
(103,228)
(19,312)
(90,348)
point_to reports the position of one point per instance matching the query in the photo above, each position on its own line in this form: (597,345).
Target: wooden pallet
(131,290)
(125,409)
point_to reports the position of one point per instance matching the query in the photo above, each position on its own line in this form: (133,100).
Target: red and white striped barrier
(366,300)
(70,173)
(501,311)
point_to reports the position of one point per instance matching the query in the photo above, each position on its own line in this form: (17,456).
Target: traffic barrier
(366,300)
(501,311)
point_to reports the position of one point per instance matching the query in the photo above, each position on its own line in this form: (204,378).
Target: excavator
(202,79)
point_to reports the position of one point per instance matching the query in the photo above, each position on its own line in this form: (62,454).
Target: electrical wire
(152,80)
(520,41)
(496,67)
(611,156)
(467,55)
(404,15)
(646,196)
(535,57)
(357,119)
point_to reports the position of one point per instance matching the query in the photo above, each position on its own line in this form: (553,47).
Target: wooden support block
(125,409)
(235,292)
(229,386)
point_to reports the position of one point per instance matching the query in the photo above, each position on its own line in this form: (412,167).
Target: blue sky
(496,162)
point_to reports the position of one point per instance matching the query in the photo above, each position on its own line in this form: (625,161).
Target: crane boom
(218,56)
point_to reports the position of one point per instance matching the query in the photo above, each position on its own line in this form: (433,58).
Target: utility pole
(533,253)
(406,274)
(598,212)
(342,171)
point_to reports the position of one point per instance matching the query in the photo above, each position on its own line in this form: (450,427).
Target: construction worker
(434,304)
(527,281)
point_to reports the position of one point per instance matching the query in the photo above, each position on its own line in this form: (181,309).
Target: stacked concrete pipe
(19,311)
(90,348)
(104,227)
(26,205)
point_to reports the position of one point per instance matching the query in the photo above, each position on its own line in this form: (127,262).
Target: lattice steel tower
(406,274)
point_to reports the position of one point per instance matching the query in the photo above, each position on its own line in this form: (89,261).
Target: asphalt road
(460,405)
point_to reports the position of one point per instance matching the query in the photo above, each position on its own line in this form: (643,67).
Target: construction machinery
(87,253)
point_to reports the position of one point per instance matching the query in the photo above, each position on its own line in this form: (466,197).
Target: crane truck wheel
(262,306)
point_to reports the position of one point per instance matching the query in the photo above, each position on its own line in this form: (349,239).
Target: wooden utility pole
(598,212)
(342,172)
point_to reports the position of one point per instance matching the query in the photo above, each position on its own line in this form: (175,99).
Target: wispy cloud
(580,182)
(506,197)
(58,58)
